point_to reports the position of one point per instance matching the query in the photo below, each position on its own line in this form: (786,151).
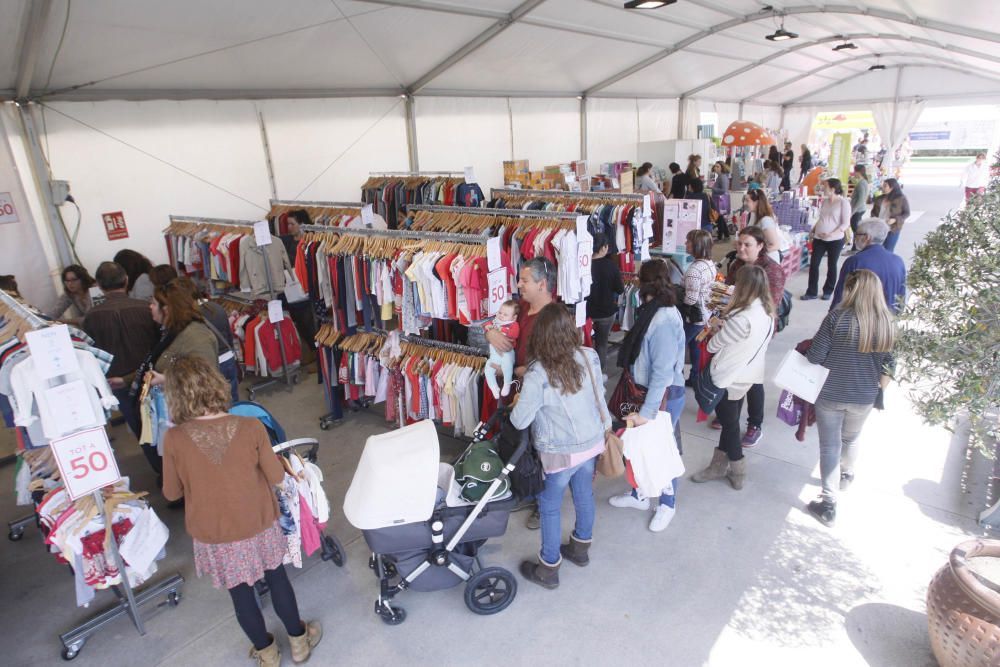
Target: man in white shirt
(976,177)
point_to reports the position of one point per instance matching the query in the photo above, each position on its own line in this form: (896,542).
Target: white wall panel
(453,133)
(546,131)
(119,163)
(612,131)
(324,149)
(657,120)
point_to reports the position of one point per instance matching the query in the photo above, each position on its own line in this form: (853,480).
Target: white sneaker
(628,500)
(662,518)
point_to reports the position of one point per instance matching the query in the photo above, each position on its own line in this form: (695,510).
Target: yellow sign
(840,156)
(844,120)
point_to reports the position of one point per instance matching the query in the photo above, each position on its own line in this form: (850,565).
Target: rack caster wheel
(174,598)
(15,535)
(324,425)
(390,615)
(71,652)
(333,551)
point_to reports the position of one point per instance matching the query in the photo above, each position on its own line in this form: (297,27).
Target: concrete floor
(738,578)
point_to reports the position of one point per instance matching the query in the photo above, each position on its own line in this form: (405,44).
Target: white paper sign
(647,208)
(493,257)
(86,462)
(274,312)
(498,290)
(75,410)
(470,175)
(585,253)
(52,351)
(800,377)
(581,314)
(367,216)
(8,214)
(262,233)
(581,225)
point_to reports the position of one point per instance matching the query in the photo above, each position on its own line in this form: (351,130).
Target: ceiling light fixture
(648,4)
(781,35)
(846,46)
(877,67)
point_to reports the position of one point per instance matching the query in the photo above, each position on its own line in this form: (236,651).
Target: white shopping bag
(293,289)
(800,377)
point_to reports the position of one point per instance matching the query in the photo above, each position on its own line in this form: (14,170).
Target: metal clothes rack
(494,192)
(417,173)
(128,602)
(427,235)
(496,212)
(289,377)
(317,204)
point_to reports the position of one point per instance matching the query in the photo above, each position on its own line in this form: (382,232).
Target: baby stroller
(422,534)
(308,448)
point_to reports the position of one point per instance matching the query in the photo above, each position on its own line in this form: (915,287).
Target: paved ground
(738,578)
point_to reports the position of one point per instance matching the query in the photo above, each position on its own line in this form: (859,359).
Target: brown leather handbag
(612,462)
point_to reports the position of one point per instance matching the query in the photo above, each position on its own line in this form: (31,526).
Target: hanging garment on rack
(390,194)
(253,274)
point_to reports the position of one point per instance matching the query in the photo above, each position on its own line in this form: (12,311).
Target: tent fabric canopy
(229,49)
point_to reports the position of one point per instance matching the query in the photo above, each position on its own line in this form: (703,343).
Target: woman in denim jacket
(653,351)
(561,400)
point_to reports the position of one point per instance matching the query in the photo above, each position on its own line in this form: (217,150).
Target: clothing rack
(128,602)
(496,212)
(416,173)
(313,208)
(441,345)
(402,233)
(289,377)
(564,194)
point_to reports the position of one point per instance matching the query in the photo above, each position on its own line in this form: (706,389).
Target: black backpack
(784,310)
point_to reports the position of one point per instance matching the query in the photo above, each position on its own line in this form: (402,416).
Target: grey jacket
(563,423)
(252,274)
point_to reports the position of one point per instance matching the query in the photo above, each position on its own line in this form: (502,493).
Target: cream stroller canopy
(396,480)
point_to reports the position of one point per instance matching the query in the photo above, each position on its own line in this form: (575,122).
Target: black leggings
(282,597)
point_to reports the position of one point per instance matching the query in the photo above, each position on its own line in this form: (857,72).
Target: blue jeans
(691,331)
(891,240)
(675,406)
(230,371)
(580,480)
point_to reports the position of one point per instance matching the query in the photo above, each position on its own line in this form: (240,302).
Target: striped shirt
(854,376)
(698,285)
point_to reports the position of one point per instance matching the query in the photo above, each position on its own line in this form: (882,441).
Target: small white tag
(274,312)
(52,351)
(262,233)
(493,257)
(470,175)
(367,216)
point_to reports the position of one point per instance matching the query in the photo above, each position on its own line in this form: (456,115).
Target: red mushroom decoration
(745,133)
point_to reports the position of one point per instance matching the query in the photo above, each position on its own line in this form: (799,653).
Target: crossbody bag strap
(770,328)
(601,408)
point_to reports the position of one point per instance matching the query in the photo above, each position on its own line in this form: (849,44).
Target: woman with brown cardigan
(224,468)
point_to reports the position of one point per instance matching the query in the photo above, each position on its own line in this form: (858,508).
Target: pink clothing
(577,459)
(311,530)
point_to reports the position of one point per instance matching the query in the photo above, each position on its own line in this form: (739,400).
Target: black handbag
(526,480)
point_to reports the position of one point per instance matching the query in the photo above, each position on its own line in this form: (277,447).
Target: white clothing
(740,348)
(976,177)
(652,451)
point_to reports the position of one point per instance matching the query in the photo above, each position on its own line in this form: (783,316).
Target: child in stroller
(422,534)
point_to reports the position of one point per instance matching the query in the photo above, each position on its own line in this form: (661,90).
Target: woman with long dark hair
(739,345)
(894,208)
(805,162)
(224,468)
(855,343)
(562,400)
(653,352)
(137,266)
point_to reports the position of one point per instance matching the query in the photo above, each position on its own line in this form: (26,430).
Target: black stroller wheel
(490,591)
(391,615)
(333,550)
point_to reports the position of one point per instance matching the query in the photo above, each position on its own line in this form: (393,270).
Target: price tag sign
(493,258)
(8,214)
(86,462)
(75,410)
(498,289)
(581,314)
(585,253)
(470,175)
(52,351)
(274,312)
(367,216)
(262,233)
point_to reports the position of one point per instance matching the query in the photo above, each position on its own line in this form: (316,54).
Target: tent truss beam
(840,63)
(474,45)
(828,40)
(31,43)
(856,75)
(794,11)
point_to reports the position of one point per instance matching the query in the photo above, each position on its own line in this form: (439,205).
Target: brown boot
(737,473)
(576,551)
(267,657)
(715,470)
(541,573)
(303,645)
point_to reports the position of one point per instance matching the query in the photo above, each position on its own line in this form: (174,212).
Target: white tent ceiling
(710,49)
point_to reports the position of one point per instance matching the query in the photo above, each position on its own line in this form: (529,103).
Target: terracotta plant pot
(963,609)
